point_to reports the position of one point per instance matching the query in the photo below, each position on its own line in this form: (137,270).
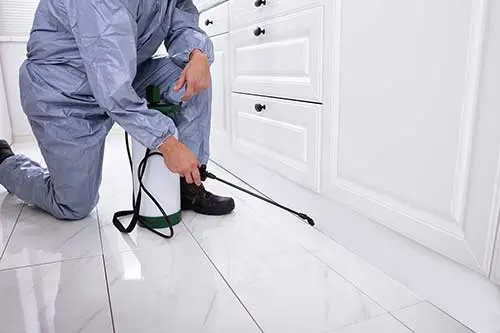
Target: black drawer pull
(208,22)
(260,107)
(259,3)
(259,31)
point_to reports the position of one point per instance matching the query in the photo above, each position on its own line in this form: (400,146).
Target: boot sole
(226,211)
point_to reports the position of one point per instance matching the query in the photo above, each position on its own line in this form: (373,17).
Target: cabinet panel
(220,129)
(409,143)
(280,58)
(245,12)
(281,135)
(203,5)
(215,21)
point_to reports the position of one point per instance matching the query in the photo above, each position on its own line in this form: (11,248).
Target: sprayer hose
(136,202)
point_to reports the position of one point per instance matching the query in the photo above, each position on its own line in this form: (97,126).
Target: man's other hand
(181,160)
(196,75)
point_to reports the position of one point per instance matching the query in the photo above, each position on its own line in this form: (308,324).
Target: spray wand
(204,174)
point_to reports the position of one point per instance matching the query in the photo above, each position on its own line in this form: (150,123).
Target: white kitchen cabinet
(247,12)
(280,57)
(215,21)
(279,134)
(220,129)
(409,139)
(203,5)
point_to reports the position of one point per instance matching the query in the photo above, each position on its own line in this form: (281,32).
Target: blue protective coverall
(88,65)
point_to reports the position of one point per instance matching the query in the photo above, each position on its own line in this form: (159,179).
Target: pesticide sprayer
(156,198)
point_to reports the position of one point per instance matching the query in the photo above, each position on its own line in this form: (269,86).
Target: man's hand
(181,160)
(196,75)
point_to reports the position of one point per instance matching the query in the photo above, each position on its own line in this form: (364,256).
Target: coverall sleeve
(106,35)
(185,35)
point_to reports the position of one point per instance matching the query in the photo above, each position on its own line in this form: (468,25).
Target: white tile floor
(258,269)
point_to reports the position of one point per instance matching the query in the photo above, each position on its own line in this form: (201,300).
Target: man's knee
(73,211)
(72,214)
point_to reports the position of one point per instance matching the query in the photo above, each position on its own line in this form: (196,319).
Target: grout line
(387,311)
(48,263)
(357,323)
(99,227)
(12,231)
(109,295)
(240,179)
(400,321)
(105,272)
(446,313)
(224,279)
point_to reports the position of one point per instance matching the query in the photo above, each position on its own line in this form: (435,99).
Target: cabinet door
(281,135)
(220,129)
(203,5)
(413,141)
(246,12)
(281,57)
(215,21)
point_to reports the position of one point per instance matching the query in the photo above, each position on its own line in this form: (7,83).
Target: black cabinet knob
(259,31)
(260,107)
(208,22)
(259,3)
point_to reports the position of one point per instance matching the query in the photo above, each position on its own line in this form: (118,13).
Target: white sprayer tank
(163,184)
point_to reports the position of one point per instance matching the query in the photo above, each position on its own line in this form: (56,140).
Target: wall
(12,54)
(5,125)
(16,17)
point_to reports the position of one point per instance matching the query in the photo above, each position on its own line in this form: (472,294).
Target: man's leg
(193,125)
(73,149)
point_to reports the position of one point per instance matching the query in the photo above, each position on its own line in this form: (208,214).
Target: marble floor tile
(140,238)
(10,208)
(282,285)
(173,289)
(384,290)
(381,324)
(425,318)
(39,238)
(62,297)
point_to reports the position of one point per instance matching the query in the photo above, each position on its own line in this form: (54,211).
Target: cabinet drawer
(284,60)
(245,12)
(283,136)
(203,5)
(215,21)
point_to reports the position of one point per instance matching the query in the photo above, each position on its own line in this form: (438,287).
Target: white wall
(16,17)
(5,125)
(12,54)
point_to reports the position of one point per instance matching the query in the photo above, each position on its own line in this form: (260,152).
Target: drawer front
(246,12)
(215,21)
(285,60)
(284,136)
(203,5)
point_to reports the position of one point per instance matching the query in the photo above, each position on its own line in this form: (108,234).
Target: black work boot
(5,151)
(199,200)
